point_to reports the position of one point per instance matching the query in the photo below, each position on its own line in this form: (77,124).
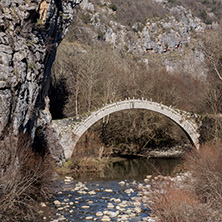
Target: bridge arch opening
(132,133)
(182,119)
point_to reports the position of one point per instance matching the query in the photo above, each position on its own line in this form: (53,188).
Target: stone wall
(71,129)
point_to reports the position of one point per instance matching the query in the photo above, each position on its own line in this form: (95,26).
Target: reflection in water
(138,169)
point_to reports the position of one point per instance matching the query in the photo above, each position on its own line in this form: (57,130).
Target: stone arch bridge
(71,129)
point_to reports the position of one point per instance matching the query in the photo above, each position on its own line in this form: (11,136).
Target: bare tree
(212,51)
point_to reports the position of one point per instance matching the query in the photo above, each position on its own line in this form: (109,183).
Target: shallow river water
(112,196)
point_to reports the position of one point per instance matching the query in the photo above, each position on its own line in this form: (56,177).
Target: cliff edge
(30,31)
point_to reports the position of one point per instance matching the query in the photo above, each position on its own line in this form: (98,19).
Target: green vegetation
(100,35)
(31,66)
(113,7)
(30,43)
(39,22)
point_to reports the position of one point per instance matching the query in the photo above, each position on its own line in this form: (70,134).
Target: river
(110,196)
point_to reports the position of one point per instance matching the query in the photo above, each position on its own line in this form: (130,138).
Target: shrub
(113,7)
(201,198)
(89,156)
(100,35)
(25,179)
(177,205)
(206,169)
(129,12)
(86,18)
(88,146)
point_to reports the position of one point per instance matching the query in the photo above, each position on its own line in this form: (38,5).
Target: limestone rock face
(30,31)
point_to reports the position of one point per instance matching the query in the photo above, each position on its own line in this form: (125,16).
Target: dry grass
(129,12)
(206,168)
(176,205)
(25,179)
(201,198)
(90,146)
(90,156)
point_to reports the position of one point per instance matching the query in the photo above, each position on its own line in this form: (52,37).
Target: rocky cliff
(169,34)
(30,31)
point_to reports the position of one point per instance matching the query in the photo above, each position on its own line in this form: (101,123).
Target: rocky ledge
(30,31)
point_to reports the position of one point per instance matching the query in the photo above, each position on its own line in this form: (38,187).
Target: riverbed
(110,196)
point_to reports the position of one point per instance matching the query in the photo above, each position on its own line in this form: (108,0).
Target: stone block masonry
(71,129)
